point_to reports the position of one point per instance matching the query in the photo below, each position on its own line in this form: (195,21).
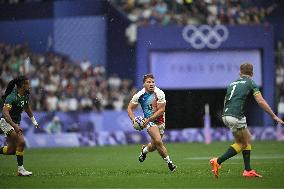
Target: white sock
(167,159)
(145,150)
(20,167)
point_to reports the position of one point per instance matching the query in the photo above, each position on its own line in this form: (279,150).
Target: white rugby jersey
(148,102)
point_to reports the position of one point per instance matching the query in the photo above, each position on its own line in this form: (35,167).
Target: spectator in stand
(54,127)
(58,84)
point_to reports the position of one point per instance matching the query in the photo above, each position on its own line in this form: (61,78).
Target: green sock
(246,157)
(20,160)
(228,154)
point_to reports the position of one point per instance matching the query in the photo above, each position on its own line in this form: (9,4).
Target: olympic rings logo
(205,36)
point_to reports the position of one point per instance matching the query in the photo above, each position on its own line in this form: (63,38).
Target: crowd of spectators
(194,12)
(184,12)
(58,84)
(61,85)
(191,12)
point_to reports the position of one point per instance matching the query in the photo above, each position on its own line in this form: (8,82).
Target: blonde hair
(246,69)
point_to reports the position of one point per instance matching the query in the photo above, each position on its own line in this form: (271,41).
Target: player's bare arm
(7,117)
(263,104)
(161,107)
(29,111)
(131,107)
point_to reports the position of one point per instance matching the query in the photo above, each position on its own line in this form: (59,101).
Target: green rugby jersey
(17,104)
(236,96)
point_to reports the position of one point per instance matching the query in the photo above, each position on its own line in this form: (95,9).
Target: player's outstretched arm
(130,110)
(263,104)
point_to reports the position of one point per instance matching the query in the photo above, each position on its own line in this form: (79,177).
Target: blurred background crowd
(58,84)
(184,12)
(61,84)
(189,12)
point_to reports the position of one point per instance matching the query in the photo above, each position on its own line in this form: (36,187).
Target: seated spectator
(54,127)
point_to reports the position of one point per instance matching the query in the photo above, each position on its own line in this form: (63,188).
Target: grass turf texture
(118,167)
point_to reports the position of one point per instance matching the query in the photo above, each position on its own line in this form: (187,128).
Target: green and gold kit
(236,96)
(17,104)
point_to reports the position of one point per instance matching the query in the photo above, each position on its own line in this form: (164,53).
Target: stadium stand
(58,84)
(185,12)
(54,89)
(189,12)
(95,90)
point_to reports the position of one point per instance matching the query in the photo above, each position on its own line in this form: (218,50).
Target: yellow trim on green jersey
(255,93)
(8,106)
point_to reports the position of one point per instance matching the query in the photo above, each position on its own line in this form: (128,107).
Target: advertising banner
(202,69)
(114,128)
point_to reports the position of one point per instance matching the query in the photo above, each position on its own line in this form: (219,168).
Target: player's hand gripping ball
(139,122)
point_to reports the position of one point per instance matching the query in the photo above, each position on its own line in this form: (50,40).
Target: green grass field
(118,167)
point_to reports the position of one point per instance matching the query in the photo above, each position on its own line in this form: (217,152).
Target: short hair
(146,76)
(246,69)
